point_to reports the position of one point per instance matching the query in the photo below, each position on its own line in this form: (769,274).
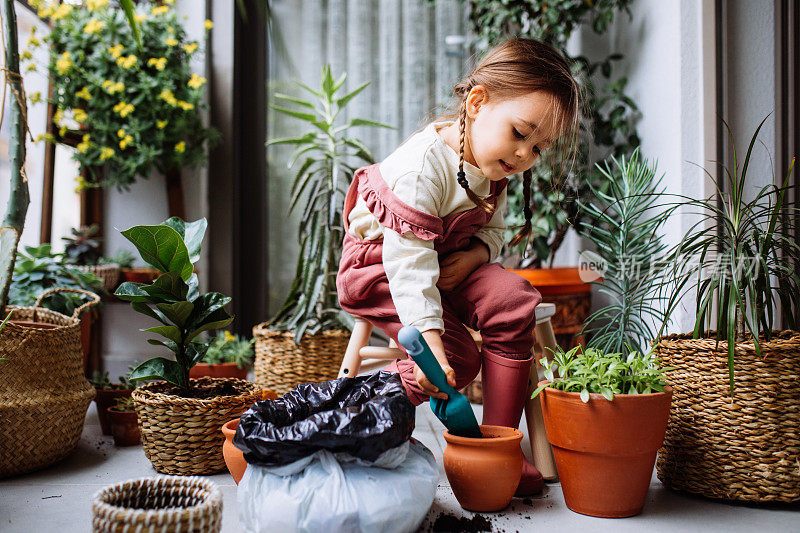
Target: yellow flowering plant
(137,106)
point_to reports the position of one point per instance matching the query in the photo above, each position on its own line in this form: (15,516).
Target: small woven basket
(281,365)
(43,392)
(108,274)
(181,435)
(745,447)
(163,504)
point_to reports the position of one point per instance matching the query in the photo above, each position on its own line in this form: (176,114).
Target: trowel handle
(414,343)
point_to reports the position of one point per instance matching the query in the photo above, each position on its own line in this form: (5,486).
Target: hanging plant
(127,89)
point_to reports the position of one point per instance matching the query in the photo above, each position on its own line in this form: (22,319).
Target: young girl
(423,228)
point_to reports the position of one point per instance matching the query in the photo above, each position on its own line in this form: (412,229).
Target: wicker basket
(181,435)
(281,365)
(108,274)
(43,392)
(163,503)
(745,447)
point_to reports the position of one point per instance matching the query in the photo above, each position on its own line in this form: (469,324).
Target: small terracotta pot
(484,473)
(139,275)
(124,427)
(605,451)
(234,458)
(221,370)
(555,280)
(104,399)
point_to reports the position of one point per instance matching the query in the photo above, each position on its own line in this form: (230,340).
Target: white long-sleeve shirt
(422,173)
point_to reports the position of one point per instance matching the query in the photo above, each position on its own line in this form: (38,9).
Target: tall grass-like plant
(325,154)
(738,258)
(625,231)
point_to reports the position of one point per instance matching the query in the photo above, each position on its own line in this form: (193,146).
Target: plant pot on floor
(743,447)
(181,435)
(234,458)
(164,503)
(281,365)
(105,398)
(43,392)
(219,370)
(484,472)
(605,450)
(124,427)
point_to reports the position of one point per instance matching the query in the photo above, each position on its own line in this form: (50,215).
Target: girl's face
(506,136)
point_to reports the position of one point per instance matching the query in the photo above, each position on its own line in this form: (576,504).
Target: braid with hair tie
(462,176)
(524,233)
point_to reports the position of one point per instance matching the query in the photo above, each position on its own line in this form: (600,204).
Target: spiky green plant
(625,231)
(738,257)
(327,155)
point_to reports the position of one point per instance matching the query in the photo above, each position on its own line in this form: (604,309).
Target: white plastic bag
(330,493)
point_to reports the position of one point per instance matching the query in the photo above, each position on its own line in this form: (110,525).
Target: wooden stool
(359,354)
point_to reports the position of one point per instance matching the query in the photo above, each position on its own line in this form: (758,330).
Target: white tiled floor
(60,497)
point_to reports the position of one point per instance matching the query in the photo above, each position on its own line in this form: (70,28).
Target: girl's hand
(457,266)
(434,340)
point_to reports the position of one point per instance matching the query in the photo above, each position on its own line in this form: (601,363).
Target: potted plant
(82,250)
(608,127)
(227,356)
(106,394)
(307,337)
(735,419)
(168,406)
(124,92)
(124,422)
(605,417)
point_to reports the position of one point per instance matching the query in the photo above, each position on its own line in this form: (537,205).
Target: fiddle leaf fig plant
(173,299)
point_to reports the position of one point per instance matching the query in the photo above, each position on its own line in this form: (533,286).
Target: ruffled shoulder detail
(392,212)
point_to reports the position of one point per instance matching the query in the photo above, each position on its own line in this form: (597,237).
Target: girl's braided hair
(515,68)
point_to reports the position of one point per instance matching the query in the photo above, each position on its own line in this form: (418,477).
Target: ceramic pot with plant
(605,418)
(107,394)
(168,406)
(227,356)
(484,472)
(124,422)
(306,339)
(736,417)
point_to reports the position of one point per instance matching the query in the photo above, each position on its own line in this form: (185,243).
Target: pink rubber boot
(505,384)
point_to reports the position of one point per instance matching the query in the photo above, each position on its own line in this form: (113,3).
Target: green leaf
(161,247)
(170,332)
(158,368)
(585,395)
(216,320)
(169,287)
(145,309)
(308,117)
(192,234)
(206,305)
(178,312)
(132,292)
(130,15)
(365,122)
(343,101)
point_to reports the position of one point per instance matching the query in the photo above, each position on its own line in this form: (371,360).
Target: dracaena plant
(326,155)
(626,232)
(739,258)
(173,299)
(593,371)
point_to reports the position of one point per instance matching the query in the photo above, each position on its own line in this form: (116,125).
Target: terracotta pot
(556,280)
(605,451)
(124,427)
(234,458)
(139,275)
(38,325)
(221,370)
(484,473)
(104,399)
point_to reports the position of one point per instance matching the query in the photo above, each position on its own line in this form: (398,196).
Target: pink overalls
(498,303)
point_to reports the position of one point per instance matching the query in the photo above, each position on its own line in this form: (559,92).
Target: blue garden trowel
(455,412)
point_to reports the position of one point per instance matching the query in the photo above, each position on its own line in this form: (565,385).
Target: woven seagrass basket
(281,365)
(181,435)
(165,503)
(745,447)
(43,392)
(108,274)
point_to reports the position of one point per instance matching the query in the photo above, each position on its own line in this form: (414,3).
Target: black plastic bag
(362,416)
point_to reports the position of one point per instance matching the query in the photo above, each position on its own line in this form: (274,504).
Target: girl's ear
(478,96)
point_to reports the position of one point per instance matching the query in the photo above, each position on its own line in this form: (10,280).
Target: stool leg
(540,449)
(358,339)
